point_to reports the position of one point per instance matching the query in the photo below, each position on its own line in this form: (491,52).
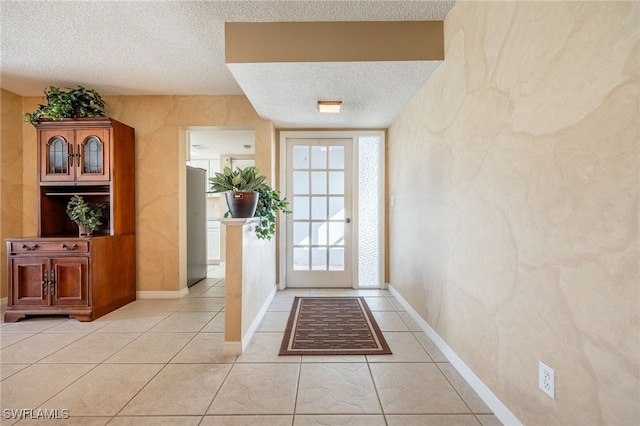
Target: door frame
(282,180)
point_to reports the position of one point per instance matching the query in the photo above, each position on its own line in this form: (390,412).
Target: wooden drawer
(49,246)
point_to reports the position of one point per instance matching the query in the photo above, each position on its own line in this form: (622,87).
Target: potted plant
(241,185)
(61,104)
(87,216)
(240,188)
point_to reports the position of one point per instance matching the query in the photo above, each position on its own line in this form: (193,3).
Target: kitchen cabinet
(213,241)
(57,272)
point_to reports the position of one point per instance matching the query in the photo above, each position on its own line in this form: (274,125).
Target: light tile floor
(160,362)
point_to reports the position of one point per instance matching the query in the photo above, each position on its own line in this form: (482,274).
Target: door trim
(282,181)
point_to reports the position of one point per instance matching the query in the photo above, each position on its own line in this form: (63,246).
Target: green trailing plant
(86,214)
(269,201)
(79,102)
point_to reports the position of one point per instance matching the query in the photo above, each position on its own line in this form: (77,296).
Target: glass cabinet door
(56,162)
(74,155)
(92,161)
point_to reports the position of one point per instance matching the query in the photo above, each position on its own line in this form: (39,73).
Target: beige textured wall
(258,275)
(10,174)
(158,121)
(515,226)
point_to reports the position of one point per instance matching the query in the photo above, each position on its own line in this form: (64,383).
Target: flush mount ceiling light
(330,107)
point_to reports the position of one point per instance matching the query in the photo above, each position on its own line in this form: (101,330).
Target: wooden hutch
(58,272)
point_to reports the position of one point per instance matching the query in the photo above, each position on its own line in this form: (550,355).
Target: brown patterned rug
(332,326)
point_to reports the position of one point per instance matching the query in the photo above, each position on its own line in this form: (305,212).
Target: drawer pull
(72,247)
(26,247)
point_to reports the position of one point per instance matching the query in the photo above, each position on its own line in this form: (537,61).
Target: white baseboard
(489,398)
(238,348)
(162,294)
(246,339)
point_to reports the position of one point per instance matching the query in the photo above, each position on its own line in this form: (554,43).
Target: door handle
(347,220)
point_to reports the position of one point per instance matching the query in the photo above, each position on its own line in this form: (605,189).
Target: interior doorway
(212,148)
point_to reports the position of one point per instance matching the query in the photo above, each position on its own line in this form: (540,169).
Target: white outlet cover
(547,380)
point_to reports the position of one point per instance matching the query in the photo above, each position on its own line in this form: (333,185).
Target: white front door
(319,231)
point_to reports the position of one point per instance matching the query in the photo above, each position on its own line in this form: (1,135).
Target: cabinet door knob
(70,155)
(45,282)
(52,282)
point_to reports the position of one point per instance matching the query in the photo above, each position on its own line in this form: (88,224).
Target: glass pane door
(92,159)
(319,232)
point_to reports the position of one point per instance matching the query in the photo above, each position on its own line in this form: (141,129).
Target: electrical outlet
(547,380)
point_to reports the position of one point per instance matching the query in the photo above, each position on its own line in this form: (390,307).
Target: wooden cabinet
(57,272)
(84,278)
(104,171)
(74,155)
(48,281)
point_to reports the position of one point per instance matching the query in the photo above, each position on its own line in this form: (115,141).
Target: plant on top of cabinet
(61,104)
(86,215)
(263,203)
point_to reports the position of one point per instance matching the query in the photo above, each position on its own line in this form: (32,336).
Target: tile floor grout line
(219,388)
(456,389)
(139,390)
(375,387)
(295,397)
(294,415)
(66,387)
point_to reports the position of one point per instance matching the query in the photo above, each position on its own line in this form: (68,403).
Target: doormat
(332,326)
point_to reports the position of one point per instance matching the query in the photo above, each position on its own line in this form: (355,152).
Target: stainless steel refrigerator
(196,225)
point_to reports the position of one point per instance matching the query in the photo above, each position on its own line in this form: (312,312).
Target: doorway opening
(211,148)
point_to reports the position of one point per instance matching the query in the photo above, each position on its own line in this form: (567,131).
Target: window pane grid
(318,207)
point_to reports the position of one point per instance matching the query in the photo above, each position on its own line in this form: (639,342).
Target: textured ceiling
(177,48)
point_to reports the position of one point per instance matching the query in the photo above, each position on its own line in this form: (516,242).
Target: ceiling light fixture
(330,107)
